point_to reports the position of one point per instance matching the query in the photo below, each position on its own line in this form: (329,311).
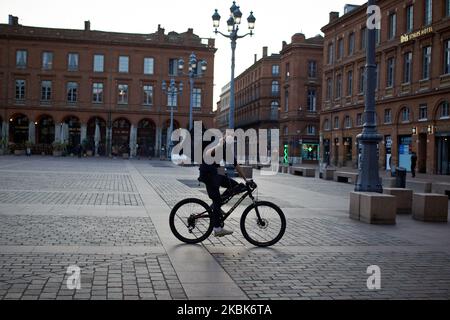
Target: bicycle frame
(249,194)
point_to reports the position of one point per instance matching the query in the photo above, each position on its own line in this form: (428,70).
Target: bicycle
(262,223)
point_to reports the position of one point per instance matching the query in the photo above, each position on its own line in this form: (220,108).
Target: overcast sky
(275,21)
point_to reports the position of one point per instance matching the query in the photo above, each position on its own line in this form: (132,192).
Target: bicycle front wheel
(263,224)
(190,221)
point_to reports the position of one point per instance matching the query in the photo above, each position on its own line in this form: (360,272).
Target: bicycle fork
(260,221)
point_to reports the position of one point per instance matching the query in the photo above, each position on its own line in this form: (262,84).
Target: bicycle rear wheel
(190,221)
(267,231)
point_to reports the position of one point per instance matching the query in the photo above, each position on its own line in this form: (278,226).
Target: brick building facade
(413,85)
(300,96)
(101,88)
(258,94)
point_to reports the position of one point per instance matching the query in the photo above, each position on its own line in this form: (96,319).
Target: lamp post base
(368,177)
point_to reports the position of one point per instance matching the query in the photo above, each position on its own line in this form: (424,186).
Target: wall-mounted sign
(413,35)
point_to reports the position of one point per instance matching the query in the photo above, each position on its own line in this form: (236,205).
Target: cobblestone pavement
(110,218)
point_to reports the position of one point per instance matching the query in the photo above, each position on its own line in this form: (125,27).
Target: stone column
(5,130)
(31,132)
(108,141)
(83,132)
(158,142)
(133,140)
(57,133)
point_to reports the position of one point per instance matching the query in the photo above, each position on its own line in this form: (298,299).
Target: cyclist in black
(213,179)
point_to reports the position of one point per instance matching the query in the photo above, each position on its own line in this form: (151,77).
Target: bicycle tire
(280,233)
(176,232)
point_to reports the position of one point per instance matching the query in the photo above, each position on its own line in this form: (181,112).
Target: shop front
(405,152)
(443,153)
(310,151)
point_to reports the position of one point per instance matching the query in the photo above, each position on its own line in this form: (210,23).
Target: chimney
(256,57)
(12,20)
(87,25)
(265,49)
(334,16)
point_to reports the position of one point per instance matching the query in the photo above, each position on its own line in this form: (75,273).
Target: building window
(173,67)
(359,121)
(99,61)
(339,86)
(447,57)
(426,62)
(348,122)
(148,95)
(423,112)
(329,88)
(330,53)
(336,122)
(275,88)
(20,89)
(428,14)
(97,92)
(72,61)
(124,64)
(390,73)
(21,58)
(72,92)
(122,94)
(288,70)
(363,38)
(47,60)
(445,110)
(310,130)
(392,25)
(377,36)
(312,69)
(326,125)
(349,83)
(340,53)
(387,116)
(409,18)
(275,70)
(311,101)
(351,44)
(407,66)
(447,8)
(46,90)
(197,98)
(405,114)
(149,64)
(286,131)
(274,107)
(362,74)
(286,101)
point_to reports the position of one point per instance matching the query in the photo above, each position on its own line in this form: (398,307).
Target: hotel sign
(413,35)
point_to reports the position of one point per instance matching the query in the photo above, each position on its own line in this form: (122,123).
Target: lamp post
(368,178)
(233,27)
(193,73)
(172,91)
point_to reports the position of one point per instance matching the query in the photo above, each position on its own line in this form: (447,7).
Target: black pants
(413,171)
(213,184)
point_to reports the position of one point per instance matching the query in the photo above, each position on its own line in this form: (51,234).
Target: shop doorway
(443,155)
(422,157)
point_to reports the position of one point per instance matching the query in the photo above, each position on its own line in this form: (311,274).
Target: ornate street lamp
(197,69)
(172,91)
(368,177)
(233,27)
